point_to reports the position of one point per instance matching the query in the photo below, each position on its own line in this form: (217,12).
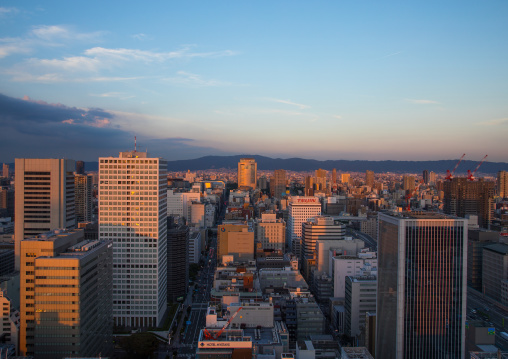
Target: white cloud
(338,117)
(139,36)
(422,102)
(119,95)
(190,79)
(8,10)
(61,32)
(286,102)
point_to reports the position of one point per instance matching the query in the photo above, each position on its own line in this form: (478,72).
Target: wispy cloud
(139,36)
(392,54)
(119,95)
(422,102)
(338,117)
(287,102)
(495,122)
(190,79)
(62,32)
(8,10)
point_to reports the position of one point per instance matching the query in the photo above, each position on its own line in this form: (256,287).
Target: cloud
(495,122)
(8,10)
(140,36)
(392,54)
(119,95)
(286,102)
(190,79)
(422,102)
(97,59)
(338,117)
(62,32)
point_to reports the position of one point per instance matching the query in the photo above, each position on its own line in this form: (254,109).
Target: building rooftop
(500,248)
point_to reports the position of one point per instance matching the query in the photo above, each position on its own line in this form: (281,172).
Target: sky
(353,80)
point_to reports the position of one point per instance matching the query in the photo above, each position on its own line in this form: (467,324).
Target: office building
(7,202)
(80,167)
(462,197)
(300,209)
(44,198)
(421,297)
(180,203)
(6,261)
(320,180)
(309,186)
(369,178)
(270,232)
(236,240)
(360,299)
(178,261)
(66,302)
(278,186)
(133,214)
(408,183)
(83,197)
(247,173)
(317,228)
(477,239)
(426,176)
(495,269)
(502,184)
(345,177)
(334,177)
(5,170)
(352,260)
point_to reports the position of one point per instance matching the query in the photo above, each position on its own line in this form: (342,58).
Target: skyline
(327,81)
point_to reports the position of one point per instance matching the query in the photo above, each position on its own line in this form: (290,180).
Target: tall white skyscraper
(300,209)
(44,197)
(133,214)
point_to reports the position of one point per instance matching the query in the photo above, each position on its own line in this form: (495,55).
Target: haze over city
(327,80)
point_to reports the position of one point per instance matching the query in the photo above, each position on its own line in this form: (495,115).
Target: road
(369,241)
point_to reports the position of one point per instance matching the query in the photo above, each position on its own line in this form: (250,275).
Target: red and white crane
(209,335)
(449,175)
(470,175)
(411,194)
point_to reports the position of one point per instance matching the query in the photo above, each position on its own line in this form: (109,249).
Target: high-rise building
(44,198)
(300,209)
(334,176)
(502,184)
(247,172)
(408,183)
(65,292)
(278,186)
(477,239)
(426,176)
(5,170)
(178,261)
(360,299)
(309,186)
(80,167)
(317,228)
(462,197)
(369,178)
(421,297)
(345,177)
(432,178)
(320,180)
(133,214)
(83,197)
(495,271)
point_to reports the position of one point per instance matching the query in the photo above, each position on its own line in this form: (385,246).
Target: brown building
(66,296)
(369,178)
(502,184)
(462,197)
(495,269)
(235,240)
(44,198)
(278,186)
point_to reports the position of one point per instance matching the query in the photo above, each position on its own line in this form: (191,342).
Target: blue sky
(325,80)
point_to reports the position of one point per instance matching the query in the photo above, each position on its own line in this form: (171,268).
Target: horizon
(368,81)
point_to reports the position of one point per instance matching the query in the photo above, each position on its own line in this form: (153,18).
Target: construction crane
(449,175)
(410,195)
(470,175)
(209,335)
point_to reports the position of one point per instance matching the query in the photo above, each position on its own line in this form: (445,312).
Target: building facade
(270,232)
(300,209)
(44,198)
(421,295)
(278,187)
(247,173)
(502,184)
(83,197)
(133,214)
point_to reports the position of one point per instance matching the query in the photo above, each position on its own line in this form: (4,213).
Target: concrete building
(44,198)
(66,296)
(412,246)
(133,214)
(236,240)
(6,261)
(502,184)
(354,264)
(9,321)
(197,218)
(247,173)
(5,170)
(355,353)
(359,300)
(194,247)
(408,183)
(322,228)
(345,177)
(477,239)
(462,197)
(495,269)
(300,209)
(270,232)
(369,179)
(309,318)
(83,197)
(179,203)
(278,186)
(178,261)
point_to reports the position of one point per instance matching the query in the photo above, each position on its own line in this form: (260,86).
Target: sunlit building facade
(247,172)
(133,214)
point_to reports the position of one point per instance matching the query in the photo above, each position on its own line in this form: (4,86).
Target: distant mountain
(300,164)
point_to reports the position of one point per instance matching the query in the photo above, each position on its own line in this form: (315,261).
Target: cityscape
(253,180)
(133,260)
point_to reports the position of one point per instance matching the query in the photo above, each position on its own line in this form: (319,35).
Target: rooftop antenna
(135,145)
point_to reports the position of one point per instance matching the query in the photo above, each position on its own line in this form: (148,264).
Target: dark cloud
(36,129)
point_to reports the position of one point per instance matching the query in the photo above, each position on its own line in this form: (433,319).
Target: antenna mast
(135,145)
